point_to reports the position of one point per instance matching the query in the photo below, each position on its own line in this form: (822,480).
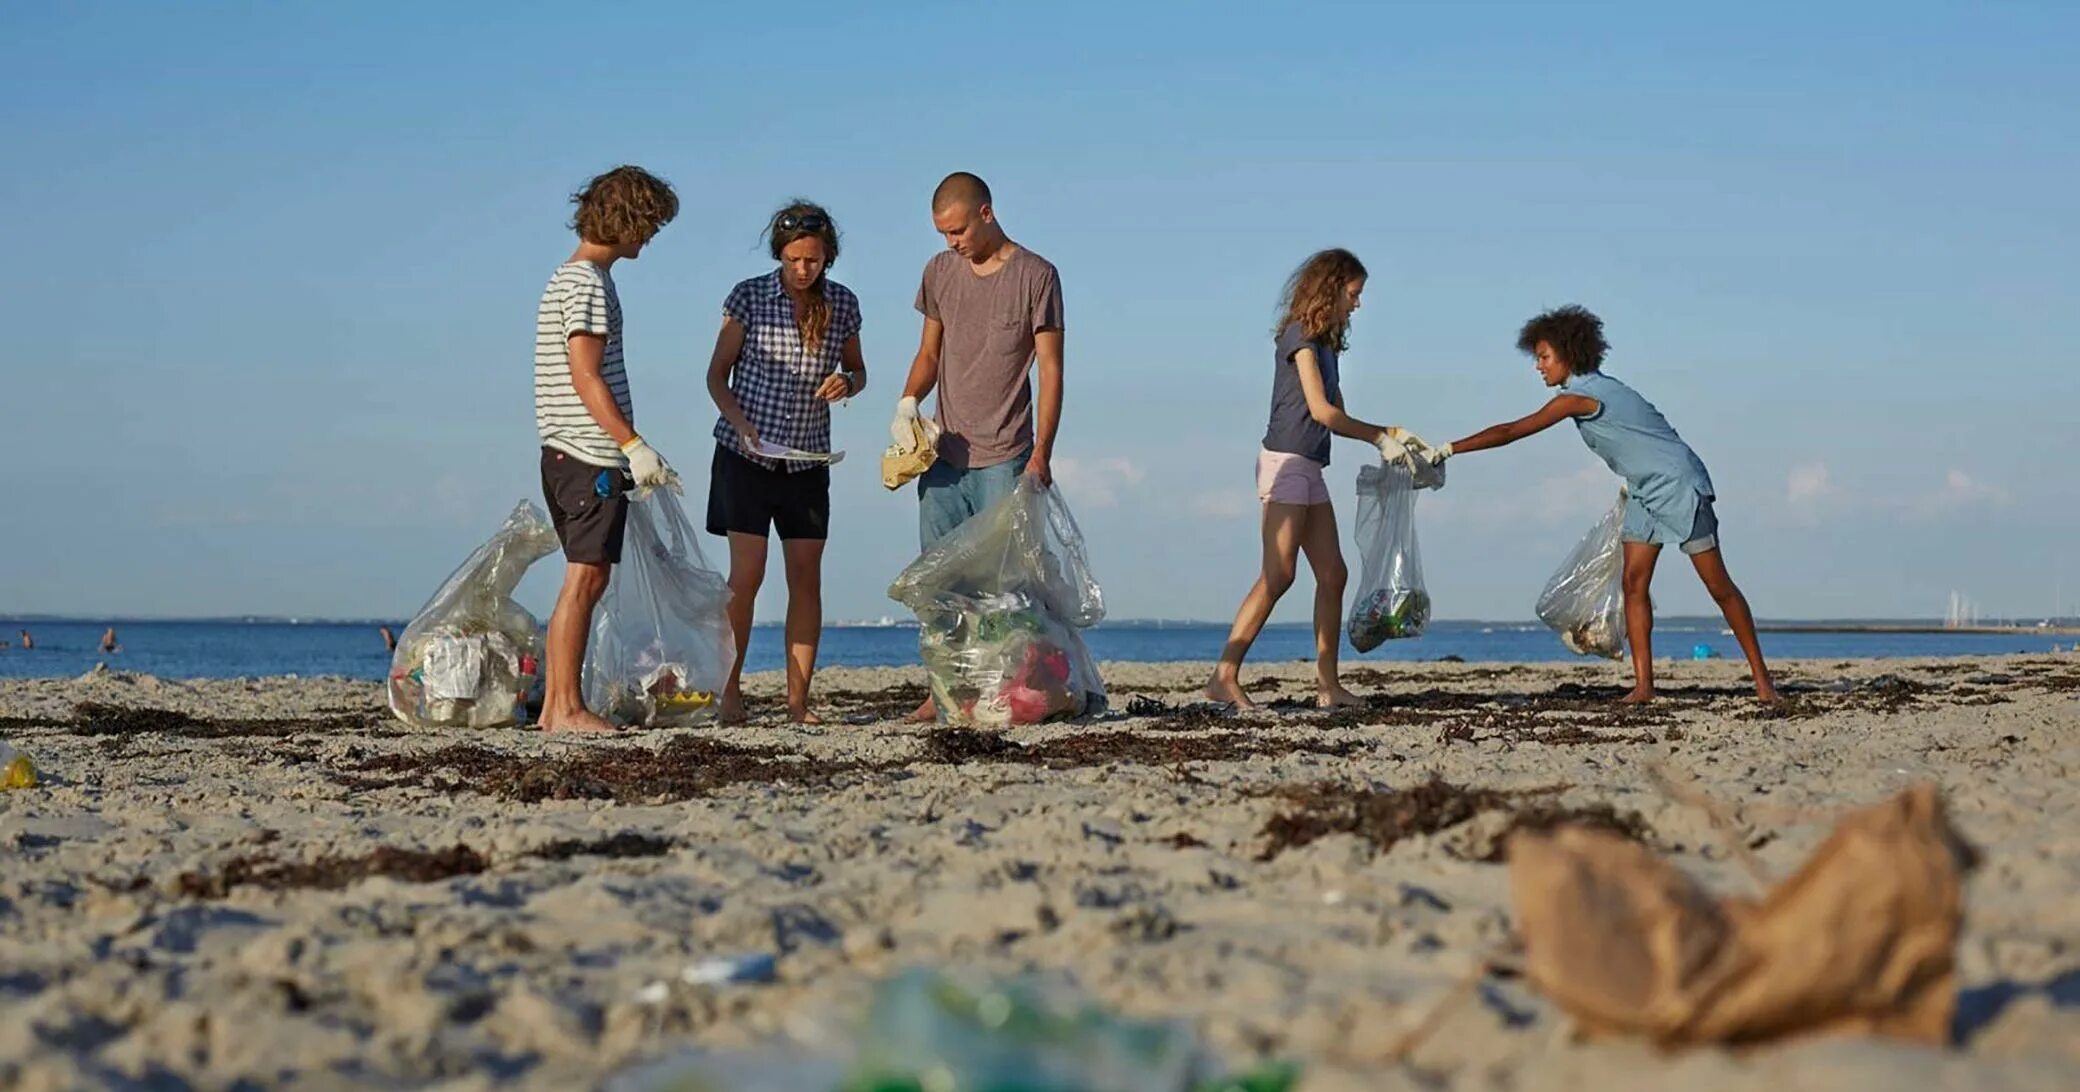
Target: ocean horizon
(258,647)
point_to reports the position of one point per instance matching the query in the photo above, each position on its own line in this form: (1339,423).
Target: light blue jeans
(948,496)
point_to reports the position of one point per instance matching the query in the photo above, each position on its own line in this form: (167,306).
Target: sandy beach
(272,884)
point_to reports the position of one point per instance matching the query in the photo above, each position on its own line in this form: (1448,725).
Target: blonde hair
(1313,297)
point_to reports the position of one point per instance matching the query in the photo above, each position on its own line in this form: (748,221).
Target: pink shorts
(1284,478)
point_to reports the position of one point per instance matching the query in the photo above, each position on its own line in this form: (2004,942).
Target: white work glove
(900,430)
(1393,444)
(646,466)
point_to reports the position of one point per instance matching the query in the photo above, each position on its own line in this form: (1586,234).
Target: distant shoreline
(2058,627)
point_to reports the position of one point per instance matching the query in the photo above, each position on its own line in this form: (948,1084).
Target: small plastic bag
(1391,601)
(1584,602)
(999,604)
(16,771)
(661,646)
(471,657)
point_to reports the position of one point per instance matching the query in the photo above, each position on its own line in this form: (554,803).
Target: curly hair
(1575,334)
(814,320)
(1313,297)
(625,205)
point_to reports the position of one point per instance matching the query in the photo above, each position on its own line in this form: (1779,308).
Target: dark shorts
(589,506)
(747,498)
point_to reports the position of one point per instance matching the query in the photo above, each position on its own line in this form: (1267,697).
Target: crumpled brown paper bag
(899,466)
(1862,939)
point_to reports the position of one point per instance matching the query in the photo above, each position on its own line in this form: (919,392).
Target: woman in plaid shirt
(789,347)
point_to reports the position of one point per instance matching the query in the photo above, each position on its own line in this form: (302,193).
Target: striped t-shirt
(580,299)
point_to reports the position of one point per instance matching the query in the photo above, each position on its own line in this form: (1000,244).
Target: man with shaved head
(991,308)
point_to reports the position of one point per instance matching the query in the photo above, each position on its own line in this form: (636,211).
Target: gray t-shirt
(985,400)
(1293,429)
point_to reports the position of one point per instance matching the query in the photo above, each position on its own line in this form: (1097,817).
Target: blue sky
(270,318)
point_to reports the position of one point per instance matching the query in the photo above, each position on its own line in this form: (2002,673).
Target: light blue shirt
(1632,438)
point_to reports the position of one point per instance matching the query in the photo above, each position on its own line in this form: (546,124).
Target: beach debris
(661,645)
(681,769)
(334,873)
(723,970)
(1383,817)
(999,603)
(949,1032)
(16,771)
(1862,939)
(1584,600)
(472,656)
(1391,602)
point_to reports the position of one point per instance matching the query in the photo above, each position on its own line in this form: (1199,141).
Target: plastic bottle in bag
(472,656)
(999,604)
(1391,601)
(1584,602)
(661,646)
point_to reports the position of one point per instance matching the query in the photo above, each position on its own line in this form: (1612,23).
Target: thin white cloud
(1959,491)
(1808,485)
(1097,483)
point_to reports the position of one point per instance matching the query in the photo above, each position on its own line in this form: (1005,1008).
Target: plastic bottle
(16,771)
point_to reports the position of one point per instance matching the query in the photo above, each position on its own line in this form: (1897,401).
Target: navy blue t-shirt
(1293,429)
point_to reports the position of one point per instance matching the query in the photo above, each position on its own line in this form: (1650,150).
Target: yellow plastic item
(16,771)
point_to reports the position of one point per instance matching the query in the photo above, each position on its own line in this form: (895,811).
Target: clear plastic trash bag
(1391,601)
(471,657)
(1584,602)
(999,603)
(661,646)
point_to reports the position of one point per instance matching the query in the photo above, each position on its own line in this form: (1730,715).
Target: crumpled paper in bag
(1861,940)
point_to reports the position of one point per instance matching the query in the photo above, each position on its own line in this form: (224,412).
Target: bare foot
(1336,697)
(732,711)
(576,721)
(924,714)
(802,715)
(1637,697)
(1767,694)
(1229,692)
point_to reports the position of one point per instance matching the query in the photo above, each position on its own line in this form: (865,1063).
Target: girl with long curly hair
(1306,409)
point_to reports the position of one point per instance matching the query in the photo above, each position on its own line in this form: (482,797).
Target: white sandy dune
(284,888)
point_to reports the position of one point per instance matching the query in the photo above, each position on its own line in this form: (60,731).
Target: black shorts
(748,498)
(589,506)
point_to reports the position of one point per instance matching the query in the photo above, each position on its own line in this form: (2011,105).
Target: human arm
(924,375)
(851,378)
(729,344)
(587,352)
(645,465)
(1562,407)
(1047,411)
(1326,413)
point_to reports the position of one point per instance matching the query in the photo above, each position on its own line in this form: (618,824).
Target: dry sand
(287,889)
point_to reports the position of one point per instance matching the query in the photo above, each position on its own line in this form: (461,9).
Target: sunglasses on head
(802,221)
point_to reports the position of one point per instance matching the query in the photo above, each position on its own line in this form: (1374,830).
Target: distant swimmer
(108,642)
(389,638)
(28,641)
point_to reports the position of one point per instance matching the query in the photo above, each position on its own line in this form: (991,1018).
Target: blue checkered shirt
(775,377)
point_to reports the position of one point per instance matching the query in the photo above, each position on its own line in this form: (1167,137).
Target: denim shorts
(1643,526)
(948,496)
